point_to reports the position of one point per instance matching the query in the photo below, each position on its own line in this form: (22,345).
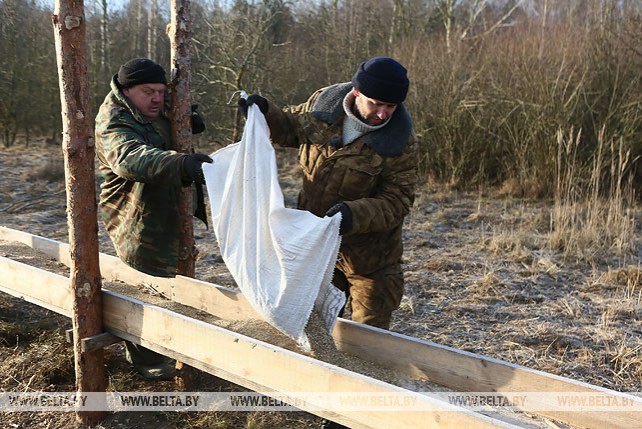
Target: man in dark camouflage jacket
(142,176)
(359,159)
(142,180)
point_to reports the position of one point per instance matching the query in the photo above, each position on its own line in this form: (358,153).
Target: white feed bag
(282,259)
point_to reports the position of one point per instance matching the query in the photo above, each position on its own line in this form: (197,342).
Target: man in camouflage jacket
(142,181)
(142,176)
(358,156)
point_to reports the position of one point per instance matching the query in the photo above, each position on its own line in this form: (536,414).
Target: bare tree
(234,51)
(152,29)
(10,77)
(139,24)
(104,37)
(25,47)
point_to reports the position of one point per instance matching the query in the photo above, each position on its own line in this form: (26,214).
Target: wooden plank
(39,287)
(94,342)
(218,300)
(451,368)
(98,341)
(470,372)
(249,362)
(267,368)
(53,248)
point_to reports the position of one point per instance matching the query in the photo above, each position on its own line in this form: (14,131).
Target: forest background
(508,93)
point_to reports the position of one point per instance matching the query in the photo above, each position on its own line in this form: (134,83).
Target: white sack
(282,259)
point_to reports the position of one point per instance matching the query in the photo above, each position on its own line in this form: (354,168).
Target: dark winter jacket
(375,175)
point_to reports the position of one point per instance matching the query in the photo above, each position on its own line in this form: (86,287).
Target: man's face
(147,97)
(371,111)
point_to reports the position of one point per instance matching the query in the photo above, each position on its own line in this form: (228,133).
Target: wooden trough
(268,369)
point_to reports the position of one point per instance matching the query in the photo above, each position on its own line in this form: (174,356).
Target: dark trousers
(139,355)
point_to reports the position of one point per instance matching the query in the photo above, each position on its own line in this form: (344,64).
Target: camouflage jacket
(375,175)
(139,198)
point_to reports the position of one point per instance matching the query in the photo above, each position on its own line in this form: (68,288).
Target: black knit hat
(383,79)
(140,70)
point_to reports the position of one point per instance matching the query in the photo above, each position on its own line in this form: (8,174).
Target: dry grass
(591,219)
(487,108)
(50,170)
(493,277)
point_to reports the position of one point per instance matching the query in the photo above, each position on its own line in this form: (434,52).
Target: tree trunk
(78,147)
(180,33)
(152,32)
(139,27)
(104,38)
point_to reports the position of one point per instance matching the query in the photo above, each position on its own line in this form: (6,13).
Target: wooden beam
(39,287)
(56,249)
(217,300)
(252,363)
(69,24)
(98,341)
(452,368)
(470,372)
(94,342)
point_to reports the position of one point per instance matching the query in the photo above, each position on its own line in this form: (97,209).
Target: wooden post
(78,148)
(180,34)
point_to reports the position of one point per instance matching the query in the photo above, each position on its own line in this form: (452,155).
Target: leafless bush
(487,107)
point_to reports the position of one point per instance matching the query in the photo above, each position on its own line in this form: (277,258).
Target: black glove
(193,168)
(253,99)
(198,126)
(346,216)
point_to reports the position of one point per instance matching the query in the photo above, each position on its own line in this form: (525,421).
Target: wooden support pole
(180,34)
(78,148)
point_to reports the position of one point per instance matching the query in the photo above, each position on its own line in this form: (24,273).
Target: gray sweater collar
(389,140)
(353,127)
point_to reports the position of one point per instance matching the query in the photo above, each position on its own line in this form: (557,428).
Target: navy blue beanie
(383,79)
(140,70)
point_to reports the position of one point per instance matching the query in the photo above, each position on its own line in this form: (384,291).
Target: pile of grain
(322,345)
